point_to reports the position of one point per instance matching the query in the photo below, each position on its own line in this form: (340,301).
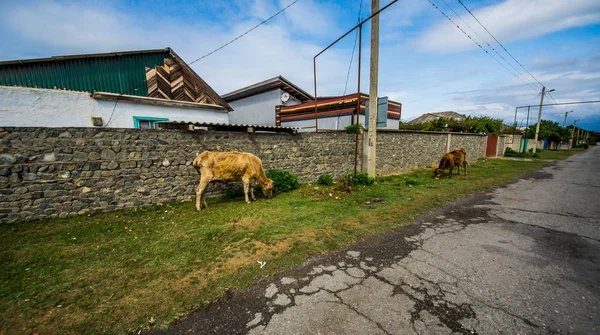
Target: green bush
(235,192)
(581,145)
(360,178)
(325,180)
(283,181)
(509,152)
(352,129)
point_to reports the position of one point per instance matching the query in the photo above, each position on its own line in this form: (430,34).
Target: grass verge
(117,272)
(557,154)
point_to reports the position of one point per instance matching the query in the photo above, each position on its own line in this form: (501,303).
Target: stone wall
(58,172)
(54,172)
(400,151)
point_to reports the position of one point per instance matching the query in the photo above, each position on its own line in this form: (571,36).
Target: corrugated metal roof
(227,126)
(122,72)
(268,85)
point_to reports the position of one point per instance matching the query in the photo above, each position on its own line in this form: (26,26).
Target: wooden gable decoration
(172,81)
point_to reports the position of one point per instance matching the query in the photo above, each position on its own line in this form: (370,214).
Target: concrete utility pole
(372,134)
(537,128)
(565,120)
(574,134)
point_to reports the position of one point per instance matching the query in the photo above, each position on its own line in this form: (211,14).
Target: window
(147,122)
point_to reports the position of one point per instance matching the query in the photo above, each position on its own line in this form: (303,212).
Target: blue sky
(426,63)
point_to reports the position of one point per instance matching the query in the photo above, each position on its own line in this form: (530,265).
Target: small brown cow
(230,166)
(450,160)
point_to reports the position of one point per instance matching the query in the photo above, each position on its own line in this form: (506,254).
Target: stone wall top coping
(427,132)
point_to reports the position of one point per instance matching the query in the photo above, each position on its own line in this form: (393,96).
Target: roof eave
(264,86)
(156,101)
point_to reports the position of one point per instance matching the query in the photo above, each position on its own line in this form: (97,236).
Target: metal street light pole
(537,128)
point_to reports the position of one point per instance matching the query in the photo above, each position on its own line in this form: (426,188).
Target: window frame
(152,119)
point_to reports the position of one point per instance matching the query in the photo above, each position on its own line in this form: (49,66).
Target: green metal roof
(122,72)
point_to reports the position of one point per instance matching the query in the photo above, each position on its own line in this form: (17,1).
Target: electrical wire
(208,54)
(477,43)
(521,65)
(485,41)
(235,39)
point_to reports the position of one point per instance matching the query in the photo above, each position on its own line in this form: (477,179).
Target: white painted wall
(259,109)
(125,111)
(32,107)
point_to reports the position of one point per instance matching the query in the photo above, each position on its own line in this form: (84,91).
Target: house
(434,116)
(134,89)
(334,113)
(279,102)
(257,103)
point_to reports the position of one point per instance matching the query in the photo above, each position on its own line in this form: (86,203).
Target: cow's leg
(246,182)
(450,171)
(200,195)
(204,199)
(252,192)
(458,167)
(465,166)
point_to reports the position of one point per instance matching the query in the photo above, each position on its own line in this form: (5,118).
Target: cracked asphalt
(522,259)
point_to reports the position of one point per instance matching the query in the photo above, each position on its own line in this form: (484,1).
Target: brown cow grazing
(230,166)
(449,161)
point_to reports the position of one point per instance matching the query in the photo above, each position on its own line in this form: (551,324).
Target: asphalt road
(522,259)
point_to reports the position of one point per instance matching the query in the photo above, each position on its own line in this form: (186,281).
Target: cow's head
(267,188)
(437,173)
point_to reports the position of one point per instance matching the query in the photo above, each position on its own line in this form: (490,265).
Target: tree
(477,124)
(550,130)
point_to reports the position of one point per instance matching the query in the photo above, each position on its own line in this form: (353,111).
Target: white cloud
(287,44)
(309,17)
(74,27)
(268,51)
(509,21)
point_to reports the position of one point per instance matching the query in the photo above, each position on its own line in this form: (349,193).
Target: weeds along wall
(59,172)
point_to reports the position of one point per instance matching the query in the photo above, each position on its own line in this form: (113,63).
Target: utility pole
(564,123)
(565,120)
(526,142)
(372,133)
(575,134)
(537,128)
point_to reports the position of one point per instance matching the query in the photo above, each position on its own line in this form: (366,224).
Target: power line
(485,41)
(353,49)
(479,45)
(235,39)
(465,7)
(208,54)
